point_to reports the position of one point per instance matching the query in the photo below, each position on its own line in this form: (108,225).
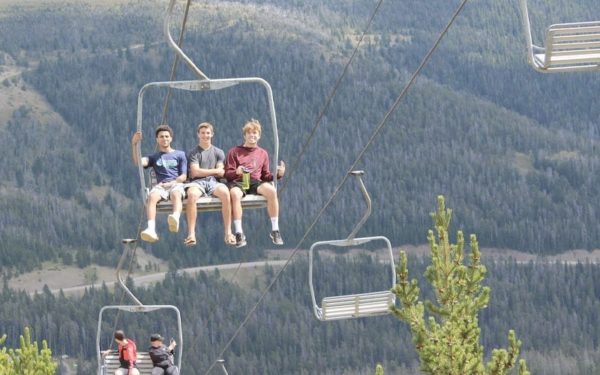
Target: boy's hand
(280,169)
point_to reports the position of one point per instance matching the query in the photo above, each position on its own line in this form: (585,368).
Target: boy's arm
(130,356)
(182,169)
(231,165)
(197,172)
(265,173)
(137,137)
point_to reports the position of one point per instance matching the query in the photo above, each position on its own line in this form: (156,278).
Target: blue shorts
(206,186)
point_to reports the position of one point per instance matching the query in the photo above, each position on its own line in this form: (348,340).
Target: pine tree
(447,339)
(28,359)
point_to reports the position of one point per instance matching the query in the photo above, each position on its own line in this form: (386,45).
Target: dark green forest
(552,308)
(513,151)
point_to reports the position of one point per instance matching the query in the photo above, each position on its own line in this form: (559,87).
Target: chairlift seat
(111,363)
(356,305)
(571,46)
(205,203)
(214,204)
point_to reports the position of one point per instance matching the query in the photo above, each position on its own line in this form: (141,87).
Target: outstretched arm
(137,137)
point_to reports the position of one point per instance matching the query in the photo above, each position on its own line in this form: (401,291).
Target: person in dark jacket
(162,356)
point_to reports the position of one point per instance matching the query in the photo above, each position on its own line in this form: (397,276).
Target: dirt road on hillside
(147,280)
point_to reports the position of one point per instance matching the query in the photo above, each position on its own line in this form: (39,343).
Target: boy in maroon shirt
(252,159)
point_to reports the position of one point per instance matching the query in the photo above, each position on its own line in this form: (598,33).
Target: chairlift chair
(109,363)
(205,84)
(354,305)
(569,47)
(208,203)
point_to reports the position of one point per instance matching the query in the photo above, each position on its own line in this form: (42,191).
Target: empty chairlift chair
(569,47)
(205,84)
(354,305)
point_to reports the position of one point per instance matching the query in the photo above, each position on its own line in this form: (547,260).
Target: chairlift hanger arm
(126,250)
(363,189)
(176,48)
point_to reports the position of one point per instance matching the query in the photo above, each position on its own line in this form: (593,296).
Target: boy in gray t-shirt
(206,166)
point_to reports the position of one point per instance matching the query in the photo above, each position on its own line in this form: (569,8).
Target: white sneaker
(173,223)
(149,235)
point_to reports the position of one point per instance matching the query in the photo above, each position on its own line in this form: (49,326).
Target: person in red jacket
(127,354)
(252,160)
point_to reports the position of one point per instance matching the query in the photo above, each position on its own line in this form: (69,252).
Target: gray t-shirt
(205,159)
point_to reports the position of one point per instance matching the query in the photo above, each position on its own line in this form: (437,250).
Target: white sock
(274,224)
(237,224)
(152,225)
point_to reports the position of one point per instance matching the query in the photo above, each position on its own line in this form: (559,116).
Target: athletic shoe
(276,237)
(149,235)
(173,223)
(240,240)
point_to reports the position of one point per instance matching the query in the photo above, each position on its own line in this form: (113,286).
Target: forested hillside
(513,151)
(551,307)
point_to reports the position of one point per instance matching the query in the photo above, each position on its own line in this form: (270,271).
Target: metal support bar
(527,29)
(175,47)
(358,174)
(222,363)
(126,246)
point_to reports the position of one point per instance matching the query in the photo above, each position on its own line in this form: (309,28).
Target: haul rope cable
(338,188)
(330,98)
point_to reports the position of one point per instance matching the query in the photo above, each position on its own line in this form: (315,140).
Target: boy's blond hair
(252,124)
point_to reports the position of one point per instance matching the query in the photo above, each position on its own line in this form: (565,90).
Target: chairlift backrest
(106,363)
(569,47)
(111,363)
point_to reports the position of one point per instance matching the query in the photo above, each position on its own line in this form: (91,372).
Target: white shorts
(166,193)
(124,371)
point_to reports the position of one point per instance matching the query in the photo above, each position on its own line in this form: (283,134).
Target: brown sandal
(229,239)
(189,241)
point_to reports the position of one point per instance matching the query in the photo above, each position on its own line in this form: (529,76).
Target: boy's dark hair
(163,128)
(119,335)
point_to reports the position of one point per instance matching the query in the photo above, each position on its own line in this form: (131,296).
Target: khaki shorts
(166,193)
